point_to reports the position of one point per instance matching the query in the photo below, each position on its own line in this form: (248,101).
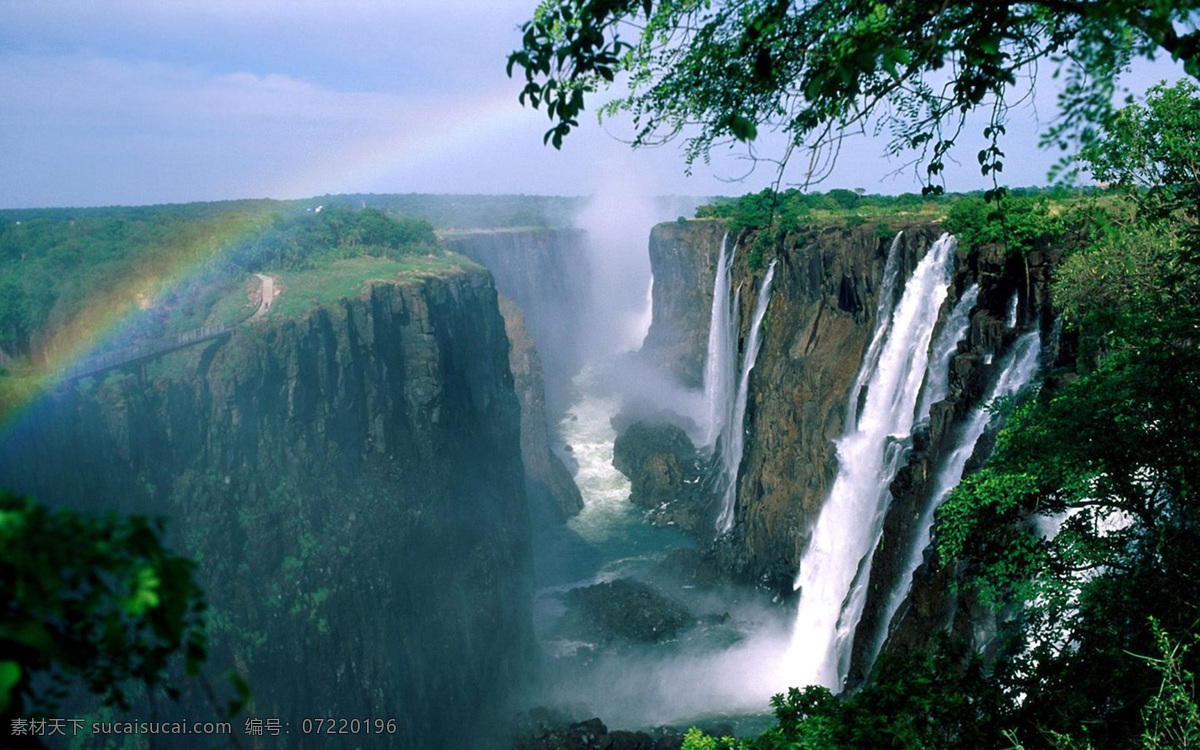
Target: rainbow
(107,313)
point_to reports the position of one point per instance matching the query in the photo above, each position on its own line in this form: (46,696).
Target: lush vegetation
(1081,529)
(1028,215)
(347,278)
(97,602)
(167,270)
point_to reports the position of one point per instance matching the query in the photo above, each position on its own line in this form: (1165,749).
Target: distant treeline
(441,211)
(790,210)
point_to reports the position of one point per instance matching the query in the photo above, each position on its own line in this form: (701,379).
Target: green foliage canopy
(98,600)
(1150,150)
(1086,513)
(818,69)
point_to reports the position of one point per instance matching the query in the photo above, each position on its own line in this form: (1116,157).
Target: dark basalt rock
(623,611)
(546,273)
(683,258)
(824,297)
(350,483)
(545,731)
(552,492)
(666,473)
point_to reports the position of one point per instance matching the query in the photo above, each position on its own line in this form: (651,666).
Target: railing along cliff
(129,355)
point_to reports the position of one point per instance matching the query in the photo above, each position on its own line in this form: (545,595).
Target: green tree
(93,601)
(1085,516)
(819,69)
(1151,151)
(929,701)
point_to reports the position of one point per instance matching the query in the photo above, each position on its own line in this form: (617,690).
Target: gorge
(466,491)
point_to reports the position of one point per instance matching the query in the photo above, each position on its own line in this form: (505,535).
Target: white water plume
(617,220)
(937,382)
(835,567)
(1010,320)
(719,359)
(883,324)
(699,677)
(734,440)
(1019,366)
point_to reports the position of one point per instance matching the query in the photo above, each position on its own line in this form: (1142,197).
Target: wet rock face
(624,611)
(551,490)
(351,486)
(817,326)
(666,473)
(824,296)
(683,258)
(935,603)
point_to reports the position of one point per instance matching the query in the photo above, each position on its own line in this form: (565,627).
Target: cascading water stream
(641,323)
(1018,368)
(937,380)
(835,567)
(1010,320)
(719,360)
(734,439)
(883,324)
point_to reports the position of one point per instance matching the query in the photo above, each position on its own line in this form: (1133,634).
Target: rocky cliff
(683,258)
(545,272)
(814,334)
(934,603)
(817,327)
(544,277)
(551,490)
(350,483)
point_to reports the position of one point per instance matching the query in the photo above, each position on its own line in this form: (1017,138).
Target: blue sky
(152,101)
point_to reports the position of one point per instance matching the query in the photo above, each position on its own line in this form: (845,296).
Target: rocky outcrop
(665,472)
(546,273)
(624,611)
(683,258)
(350,484)
(543,730)
(551,490)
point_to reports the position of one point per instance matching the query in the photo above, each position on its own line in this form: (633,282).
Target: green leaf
(10,675)
(743,128)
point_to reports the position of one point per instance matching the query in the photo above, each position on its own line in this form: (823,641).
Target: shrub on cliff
(1017,222)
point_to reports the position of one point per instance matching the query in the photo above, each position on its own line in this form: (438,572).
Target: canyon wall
(683,259)
(815,331)
(935,603)
(546,273)
(351,486)
(818,324)
(551,489)
(545,281)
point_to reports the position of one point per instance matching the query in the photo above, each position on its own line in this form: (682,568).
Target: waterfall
(1010,320)
(836,565)
(883,324)
(641,327)
(937,380)
(1019,366)
(719,360)
(734,440)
